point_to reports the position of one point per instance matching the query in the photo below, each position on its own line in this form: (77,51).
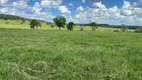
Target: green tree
(35,23)
(23,21)
(52,25)
(60,21)
(123,28)
(70,26)
(93,25)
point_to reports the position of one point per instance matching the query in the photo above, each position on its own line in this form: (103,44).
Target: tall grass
(65,55)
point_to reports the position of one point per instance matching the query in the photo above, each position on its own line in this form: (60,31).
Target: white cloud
(45,15)
(50,3)
(3,10)
(7,10)
(20,4)
(80,9)
(83,1)
(126,4)
(127,14)
(126,9)
(138,4)
(71,4)
(2,2)
(99,13)
(99,5)
(36,8)
(64,10)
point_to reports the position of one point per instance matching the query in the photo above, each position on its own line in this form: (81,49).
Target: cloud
(42,9)
(36,8)
(7,10)
(64,10)
(34,13)
(3,10)
(71,4)
(128,14)
(83,1)
(80,9)
(20,4)
(98,5)
(126,9)
(126,4)
(2,2)
(50,3)
(138,4)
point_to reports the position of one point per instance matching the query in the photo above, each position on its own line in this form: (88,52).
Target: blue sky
(114,12)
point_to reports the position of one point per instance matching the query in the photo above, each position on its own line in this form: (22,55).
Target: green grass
(17,24)
(69,55)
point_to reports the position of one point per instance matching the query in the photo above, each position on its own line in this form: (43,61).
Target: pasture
(49,54)
(16,24)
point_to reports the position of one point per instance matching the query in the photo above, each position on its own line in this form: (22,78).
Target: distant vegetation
(108,54)
(93,25)
(123,28)
(52,25)
(70,26)
(139,30)
(60,21)
(35,23)
(11,17)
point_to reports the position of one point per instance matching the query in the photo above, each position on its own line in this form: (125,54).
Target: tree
(81,28)
(60,21)
(22,21)
(70,26)
(123,28)
(52,25)
(35,23)
(93,25)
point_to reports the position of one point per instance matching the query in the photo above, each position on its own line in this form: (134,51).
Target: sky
(114,12)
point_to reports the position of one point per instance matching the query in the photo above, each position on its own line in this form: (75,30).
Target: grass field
(27,54)
(16,24)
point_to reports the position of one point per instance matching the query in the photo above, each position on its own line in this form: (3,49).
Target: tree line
(60,22)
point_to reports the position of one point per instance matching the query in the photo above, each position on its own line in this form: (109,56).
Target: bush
(81,29)
(52,26)
(138,30)
(6,22)
(124,28)
(116,30)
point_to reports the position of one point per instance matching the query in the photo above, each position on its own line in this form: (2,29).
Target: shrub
(124,28)
(138,30)
(116,30)
(81,29)
(52,26)
(6,22)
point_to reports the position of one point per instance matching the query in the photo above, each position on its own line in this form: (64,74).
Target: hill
(13,17)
